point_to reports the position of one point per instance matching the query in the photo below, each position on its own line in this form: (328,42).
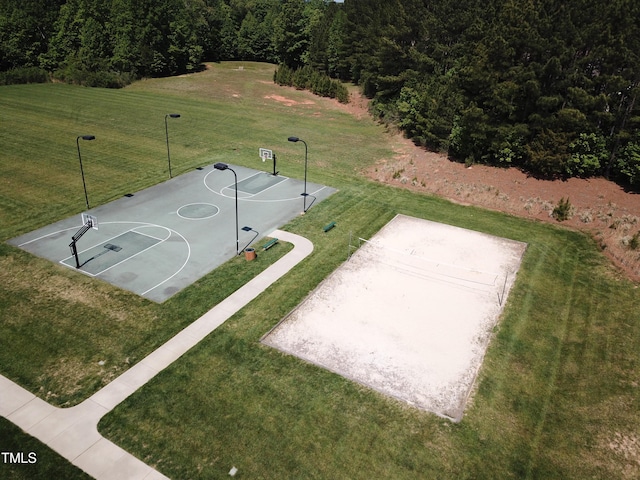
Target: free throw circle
(198,211)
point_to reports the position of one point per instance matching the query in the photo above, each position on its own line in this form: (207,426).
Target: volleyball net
(411,263)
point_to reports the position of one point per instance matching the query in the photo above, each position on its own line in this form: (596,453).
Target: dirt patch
(288,101)
(600,207)
(358,105)
(626,447)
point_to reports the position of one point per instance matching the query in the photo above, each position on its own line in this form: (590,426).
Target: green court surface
(158,241)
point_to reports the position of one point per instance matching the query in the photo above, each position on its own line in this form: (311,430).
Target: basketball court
(158,241)
(410,314)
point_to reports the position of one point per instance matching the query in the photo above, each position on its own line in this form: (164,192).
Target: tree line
(94,42)
(545,85)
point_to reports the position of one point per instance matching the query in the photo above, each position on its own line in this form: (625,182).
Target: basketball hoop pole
(74,240)
(266,154)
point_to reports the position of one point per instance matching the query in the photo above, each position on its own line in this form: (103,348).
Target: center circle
(198,211)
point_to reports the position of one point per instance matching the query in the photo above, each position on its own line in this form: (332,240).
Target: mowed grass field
(558,395)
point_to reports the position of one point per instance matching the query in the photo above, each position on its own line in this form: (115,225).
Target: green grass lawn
(557,396)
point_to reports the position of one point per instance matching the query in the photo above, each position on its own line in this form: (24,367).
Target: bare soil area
(410,314)
(598,206)
(287,101)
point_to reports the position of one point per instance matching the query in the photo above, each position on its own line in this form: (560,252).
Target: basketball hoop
(90,220)
(266,154)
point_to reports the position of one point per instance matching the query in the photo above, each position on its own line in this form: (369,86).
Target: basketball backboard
(266,154)
(86,218)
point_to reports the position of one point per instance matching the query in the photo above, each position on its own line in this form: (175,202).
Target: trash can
(249,254)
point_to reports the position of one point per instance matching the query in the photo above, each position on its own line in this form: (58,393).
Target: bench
(328,227)
(270,244)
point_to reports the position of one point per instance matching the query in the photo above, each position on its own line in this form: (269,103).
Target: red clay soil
(600,207)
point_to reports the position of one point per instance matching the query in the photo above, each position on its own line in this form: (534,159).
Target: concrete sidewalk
(73,432)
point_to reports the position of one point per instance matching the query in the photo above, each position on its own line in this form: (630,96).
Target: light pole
(249,229)
(304,194)
(84,185)
(166,131)
(224,166)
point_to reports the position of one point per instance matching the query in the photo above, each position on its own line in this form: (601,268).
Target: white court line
(135,255)
(291,199)
(179,270)
(250,195)
(151,236)
(249,199)
(204,180)
(160,241)
(48,235)
(141,225)
(198,218)
(171,231)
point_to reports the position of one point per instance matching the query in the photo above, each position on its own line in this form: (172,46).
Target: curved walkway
(73,432)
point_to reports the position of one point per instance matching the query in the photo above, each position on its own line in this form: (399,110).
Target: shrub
(628,163)
(24,75)
(342,94)
(101,78)
(562,211)
(588,154)
(306,78)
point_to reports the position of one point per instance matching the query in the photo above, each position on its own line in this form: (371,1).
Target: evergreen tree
(290,33)
(217,32)
(336,53)
(319,34)
(256,33)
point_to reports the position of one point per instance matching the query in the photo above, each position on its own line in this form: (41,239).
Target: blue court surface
(160,240)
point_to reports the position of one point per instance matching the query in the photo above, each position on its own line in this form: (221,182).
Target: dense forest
(548,86)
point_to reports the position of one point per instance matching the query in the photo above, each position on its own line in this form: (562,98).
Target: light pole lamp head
(221,166)
(293,139)
(173,115)
(87,137)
